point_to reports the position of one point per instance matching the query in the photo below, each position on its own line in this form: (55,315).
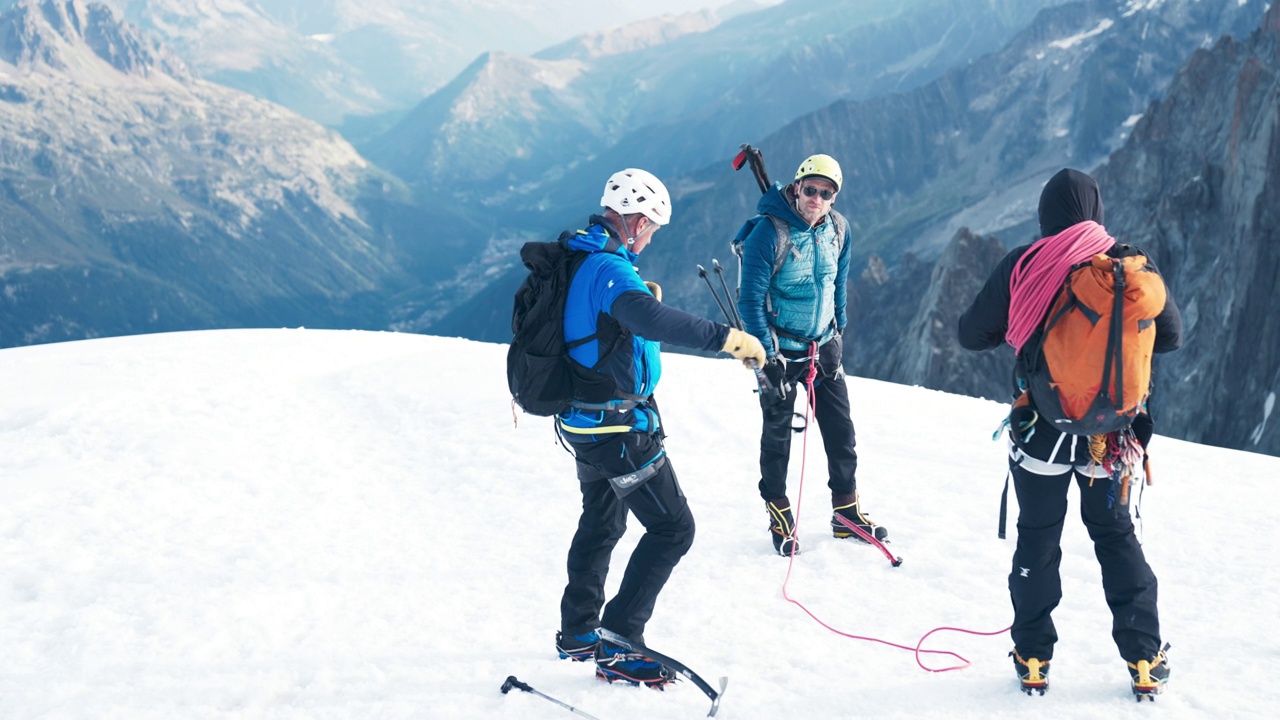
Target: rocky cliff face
(1199,185)
(973,149)
(926,353)
(72,36)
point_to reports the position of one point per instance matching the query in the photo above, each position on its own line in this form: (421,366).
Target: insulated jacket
(607,298)
(805,299)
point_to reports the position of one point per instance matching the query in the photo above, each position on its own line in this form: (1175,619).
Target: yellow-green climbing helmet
(823,166)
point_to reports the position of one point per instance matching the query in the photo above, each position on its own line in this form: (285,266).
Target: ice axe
(753,156)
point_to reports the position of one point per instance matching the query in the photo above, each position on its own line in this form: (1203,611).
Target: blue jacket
(604,276)
(607,297)
(806,297)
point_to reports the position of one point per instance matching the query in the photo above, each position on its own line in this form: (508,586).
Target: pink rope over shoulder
(1040,272)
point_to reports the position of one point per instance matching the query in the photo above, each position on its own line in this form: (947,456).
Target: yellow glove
(745,347)
(654,288)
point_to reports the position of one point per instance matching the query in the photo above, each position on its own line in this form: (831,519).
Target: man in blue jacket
(795,266)
(613,324)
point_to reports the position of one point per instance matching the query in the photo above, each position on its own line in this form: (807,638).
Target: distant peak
(68,35)
(633,37)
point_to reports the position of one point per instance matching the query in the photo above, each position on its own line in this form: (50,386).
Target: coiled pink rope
(1040,272)
(809,410)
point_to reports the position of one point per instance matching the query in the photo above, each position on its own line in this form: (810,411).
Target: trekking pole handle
(512,682)
(702,273)
(736,316)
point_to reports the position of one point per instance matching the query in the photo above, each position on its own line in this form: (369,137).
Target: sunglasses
(810,191)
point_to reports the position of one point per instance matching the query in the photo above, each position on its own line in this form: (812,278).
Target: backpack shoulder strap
(841,227)
(783,245)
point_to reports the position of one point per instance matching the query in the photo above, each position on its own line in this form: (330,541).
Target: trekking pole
(735,320)
(702,273)
(512,682)
(737,317)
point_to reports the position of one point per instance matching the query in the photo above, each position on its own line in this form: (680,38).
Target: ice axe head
(749,155)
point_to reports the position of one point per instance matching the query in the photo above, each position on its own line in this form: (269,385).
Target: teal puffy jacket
(806,297)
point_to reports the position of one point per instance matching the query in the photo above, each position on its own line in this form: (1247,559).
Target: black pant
(831,410)
(657,503)
(1036,587)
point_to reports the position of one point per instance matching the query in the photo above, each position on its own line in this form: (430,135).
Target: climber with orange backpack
(1085,314)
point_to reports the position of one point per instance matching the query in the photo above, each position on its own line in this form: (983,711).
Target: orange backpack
(1088,370)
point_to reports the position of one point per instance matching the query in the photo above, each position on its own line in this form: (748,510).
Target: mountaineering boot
(1150,676)
(846,507)
(578,648)
(614,662)
(1033,674)
(782,527)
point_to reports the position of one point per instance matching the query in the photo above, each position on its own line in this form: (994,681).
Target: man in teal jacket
(795,269)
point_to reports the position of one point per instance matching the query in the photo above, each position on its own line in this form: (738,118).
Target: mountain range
(355,63)
(940,181)
(677,90)
(671,108)
(136,197)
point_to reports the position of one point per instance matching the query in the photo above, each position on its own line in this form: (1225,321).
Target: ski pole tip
(897,562)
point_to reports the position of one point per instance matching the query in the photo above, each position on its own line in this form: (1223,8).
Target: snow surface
(334,524)
(1134,6)
(1078,38)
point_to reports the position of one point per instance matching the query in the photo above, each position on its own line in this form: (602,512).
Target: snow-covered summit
(334,524)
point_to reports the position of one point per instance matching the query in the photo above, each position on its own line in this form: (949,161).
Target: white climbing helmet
(637,191)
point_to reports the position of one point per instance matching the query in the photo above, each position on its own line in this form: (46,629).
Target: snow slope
(331,524)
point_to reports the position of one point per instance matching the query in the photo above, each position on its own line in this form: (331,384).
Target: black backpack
(542,378)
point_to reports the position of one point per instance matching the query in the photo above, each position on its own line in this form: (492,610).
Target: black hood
(1068,198)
